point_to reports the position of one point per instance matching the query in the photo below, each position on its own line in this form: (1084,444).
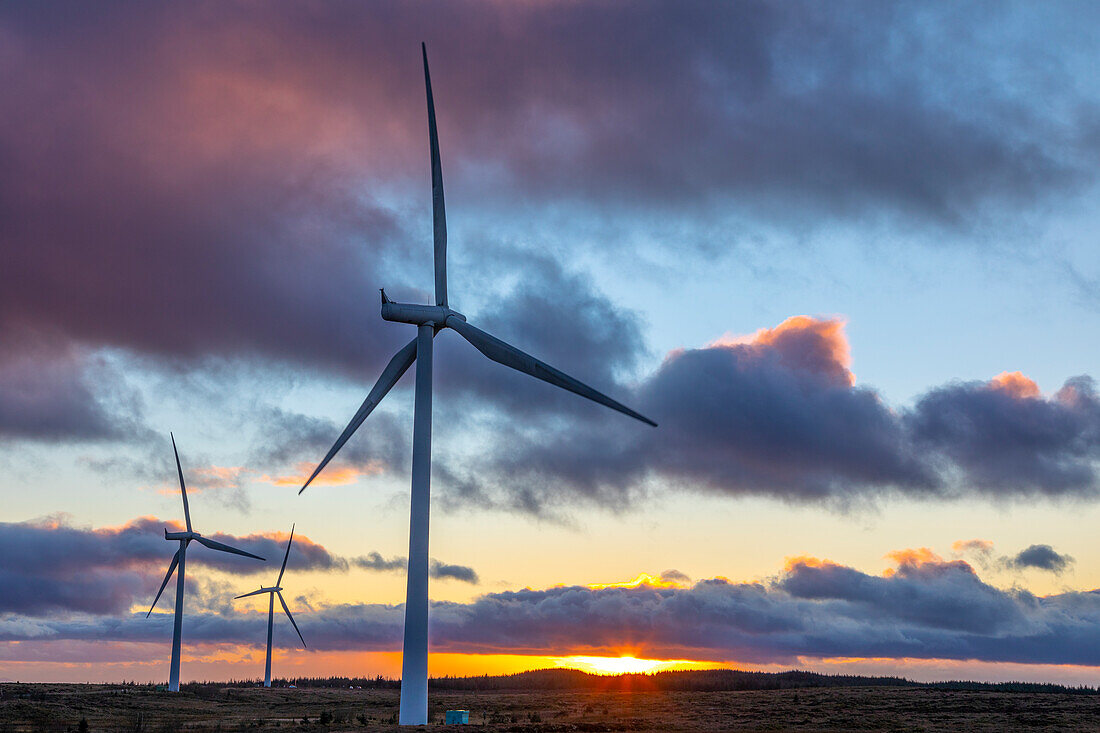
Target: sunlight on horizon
(627,665)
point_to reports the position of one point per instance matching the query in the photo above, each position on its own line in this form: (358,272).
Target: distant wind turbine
(276,590)
(179,559)
(429,320)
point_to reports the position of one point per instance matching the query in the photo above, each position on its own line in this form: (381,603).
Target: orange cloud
(909,556)
(912,558)
(915,558)
(806,561)
(804,342)
(980,546)
(329,477)
(1015,384)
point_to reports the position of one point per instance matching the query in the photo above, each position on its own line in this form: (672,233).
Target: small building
(457,717)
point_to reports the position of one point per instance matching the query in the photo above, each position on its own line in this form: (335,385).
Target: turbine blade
(398,365)
(287,611)
(183,486)
(283,568)
(253,593)
(215,545)
(167,577)
(439,212)
(510,356)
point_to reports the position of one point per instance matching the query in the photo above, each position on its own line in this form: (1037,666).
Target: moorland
(561,700)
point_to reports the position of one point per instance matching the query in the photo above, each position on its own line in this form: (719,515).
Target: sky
(844,254)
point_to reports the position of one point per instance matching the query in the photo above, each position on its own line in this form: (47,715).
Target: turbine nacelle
(180,535)
(417,314)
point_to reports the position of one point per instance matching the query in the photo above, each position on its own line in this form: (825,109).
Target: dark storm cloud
(774,414)
(208,182)
(1041,557)
(813,609)
(207,179)
(182,205)
(778,414)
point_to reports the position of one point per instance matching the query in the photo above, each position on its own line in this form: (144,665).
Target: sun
(625,664)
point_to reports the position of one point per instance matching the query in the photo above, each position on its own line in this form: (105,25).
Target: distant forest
(708,680)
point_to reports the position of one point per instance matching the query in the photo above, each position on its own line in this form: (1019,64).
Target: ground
(57,707)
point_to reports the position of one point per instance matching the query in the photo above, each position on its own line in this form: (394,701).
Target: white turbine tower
(429,320)
(179,559)
(276,590)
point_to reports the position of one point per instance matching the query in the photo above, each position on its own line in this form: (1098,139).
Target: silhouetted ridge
(706,680)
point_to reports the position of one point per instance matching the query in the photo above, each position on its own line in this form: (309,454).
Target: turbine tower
(276,590)
(429,320)
(180,560)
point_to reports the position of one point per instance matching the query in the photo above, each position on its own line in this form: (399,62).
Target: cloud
(775,414)
(223,201)
(778,413)
(554,314)
(923,589)
(980,547)
(1003,437)
(52,391)
(374,561)
(926,608)
(441,571)
(49,566)
(1041,557)
(674,576)
(252,192)
(295,443)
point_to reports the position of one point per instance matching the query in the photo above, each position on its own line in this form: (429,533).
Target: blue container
(457,717)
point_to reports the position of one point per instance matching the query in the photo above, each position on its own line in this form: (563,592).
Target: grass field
(61,707)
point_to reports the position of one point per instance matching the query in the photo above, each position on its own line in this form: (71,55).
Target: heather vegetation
(559,700)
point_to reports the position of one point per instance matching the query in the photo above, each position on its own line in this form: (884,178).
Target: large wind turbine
(275,590)
(179,559)
(429,320)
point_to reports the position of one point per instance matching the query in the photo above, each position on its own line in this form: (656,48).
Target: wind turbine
(180,559)
(429,320)
(276,590)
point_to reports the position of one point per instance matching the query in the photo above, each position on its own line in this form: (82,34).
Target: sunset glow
(640,580)
(337,476)
(626,665)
